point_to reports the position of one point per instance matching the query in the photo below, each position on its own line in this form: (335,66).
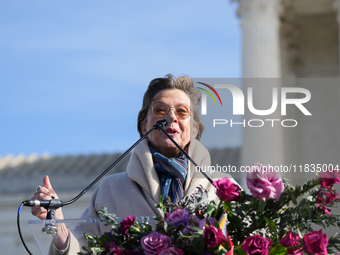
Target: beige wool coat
(136,192)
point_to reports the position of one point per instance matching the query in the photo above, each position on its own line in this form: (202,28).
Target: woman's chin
(170,147)
(166,147)
(169,144)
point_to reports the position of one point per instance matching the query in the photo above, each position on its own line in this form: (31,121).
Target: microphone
(52,204)
(56,203)
(163,123)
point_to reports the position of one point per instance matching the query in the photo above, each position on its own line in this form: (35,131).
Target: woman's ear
(142,126)
(194,131)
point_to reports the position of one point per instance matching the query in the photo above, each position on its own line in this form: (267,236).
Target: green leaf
(293,199)
(198,229)
(234,221)
(198,245)
(161,206)
(300,235)
(278,250)
(165,225)
(271,225)
(158,218)
(261,206)
(88,237)
(216,224)
(211,209)
(244,208)
(240,251)
(134,229)
(196,235)
(185,237)
(226,246)
(243,197)
(86,248)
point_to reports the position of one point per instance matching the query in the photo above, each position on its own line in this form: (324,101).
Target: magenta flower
(178,217)
(263,182)
(112,248)
(315,242)
(155,241)
(256,245)
(213,236)
(110,245)
(291,240)
(227,190)
(125,226)
(329,178)
(329,198)
(170,251)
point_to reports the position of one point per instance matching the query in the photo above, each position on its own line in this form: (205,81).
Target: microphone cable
(158,125)
(19,229)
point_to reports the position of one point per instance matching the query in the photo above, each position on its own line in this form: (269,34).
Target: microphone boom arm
(158,125)
(56,203)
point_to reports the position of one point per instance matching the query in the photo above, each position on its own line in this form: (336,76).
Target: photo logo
(204,97)
(277,97)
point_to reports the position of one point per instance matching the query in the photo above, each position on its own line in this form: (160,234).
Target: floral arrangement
(278,219)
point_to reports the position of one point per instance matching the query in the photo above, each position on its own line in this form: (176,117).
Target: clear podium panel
(43,230)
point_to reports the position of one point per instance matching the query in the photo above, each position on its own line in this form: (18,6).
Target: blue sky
(73,72)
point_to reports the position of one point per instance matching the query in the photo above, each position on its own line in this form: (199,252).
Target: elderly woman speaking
(156,167)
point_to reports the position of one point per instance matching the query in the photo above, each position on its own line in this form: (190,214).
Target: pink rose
(213,236)
(329,178)
(291,240)
(227,190)
(178,217)
(170,251)
(153,242)
(329,198)
(263,182)
(315,242)
(256,245)
(125,226)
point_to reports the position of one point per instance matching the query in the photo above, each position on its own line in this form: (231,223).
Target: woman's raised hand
(45,193)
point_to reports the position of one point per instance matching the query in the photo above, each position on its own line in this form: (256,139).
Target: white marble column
(336,6)
(261,47)
(261,59)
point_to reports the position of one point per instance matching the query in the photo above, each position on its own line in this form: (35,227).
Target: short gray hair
(183,83)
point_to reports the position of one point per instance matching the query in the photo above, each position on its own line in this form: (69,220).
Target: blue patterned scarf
(173,173)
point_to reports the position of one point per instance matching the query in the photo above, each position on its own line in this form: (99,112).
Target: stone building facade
(288,39)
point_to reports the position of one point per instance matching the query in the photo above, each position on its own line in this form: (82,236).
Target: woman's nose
(172,115)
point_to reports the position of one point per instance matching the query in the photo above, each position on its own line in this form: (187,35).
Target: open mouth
(171,131)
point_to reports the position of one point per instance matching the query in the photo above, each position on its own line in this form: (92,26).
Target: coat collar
(142,171)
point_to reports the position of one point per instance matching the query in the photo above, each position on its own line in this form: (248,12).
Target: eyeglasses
(161,110)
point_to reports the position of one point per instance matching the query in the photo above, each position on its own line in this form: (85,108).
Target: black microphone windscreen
(168,121)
